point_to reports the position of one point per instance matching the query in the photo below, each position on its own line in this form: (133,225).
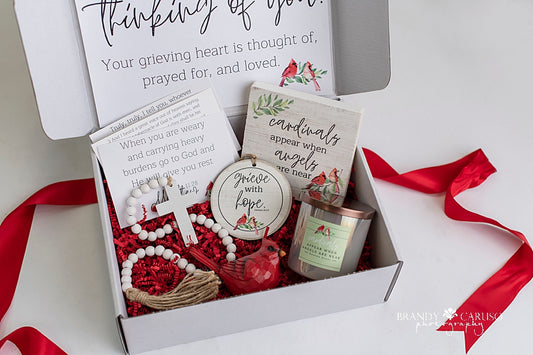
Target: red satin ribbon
(30,341)
(14,232)
(488,302)
(476,314)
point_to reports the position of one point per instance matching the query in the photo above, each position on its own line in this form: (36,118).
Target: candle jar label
(324,244)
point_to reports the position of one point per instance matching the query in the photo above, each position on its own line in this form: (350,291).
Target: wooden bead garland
(198,286)
(159,233)
(167,254)
(222,233)
(206,283)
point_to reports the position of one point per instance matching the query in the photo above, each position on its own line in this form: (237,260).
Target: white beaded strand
(132,203)
(159,233)
(222,233)
(132,211)
(167,254)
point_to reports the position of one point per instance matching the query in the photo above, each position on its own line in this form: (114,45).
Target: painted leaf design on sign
(270,106)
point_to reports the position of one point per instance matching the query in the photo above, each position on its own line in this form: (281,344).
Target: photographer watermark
(467,321)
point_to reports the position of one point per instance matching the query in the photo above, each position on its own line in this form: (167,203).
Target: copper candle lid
(356,209)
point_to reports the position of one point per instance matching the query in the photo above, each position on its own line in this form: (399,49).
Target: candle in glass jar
(328,239)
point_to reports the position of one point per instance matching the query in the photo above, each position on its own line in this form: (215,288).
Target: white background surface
(461,80)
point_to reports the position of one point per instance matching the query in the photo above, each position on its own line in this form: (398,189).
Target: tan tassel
(198,287)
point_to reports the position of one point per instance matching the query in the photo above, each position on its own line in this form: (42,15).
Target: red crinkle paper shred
(157,276)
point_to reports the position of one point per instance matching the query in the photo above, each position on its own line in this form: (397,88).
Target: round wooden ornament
(249,196)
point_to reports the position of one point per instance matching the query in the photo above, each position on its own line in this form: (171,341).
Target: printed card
(311,139)
(138,51)
(152,109)
(192,107)
(193,151)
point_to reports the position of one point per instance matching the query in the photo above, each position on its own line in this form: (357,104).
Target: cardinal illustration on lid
(301,74)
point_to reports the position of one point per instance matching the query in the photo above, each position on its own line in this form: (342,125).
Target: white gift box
(55,57)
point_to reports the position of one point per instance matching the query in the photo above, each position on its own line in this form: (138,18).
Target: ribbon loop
(14,233)
(488,302)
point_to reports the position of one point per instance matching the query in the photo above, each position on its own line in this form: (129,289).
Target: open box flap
(56,59)
(361,41)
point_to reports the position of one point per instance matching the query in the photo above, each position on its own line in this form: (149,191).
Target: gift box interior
(63,90)
(278,305)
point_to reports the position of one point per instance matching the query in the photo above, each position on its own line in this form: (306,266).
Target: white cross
(177,204)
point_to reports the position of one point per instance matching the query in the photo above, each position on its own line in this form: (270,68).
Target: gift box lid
(56,59)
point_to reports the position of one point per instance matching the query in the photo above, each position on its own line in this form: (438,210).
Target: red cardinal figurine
(241,221)
(309,74)
(289,72)
(255,272)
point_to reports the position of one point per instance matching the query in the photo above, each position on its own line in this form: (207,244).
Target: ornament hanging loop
(252,157)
